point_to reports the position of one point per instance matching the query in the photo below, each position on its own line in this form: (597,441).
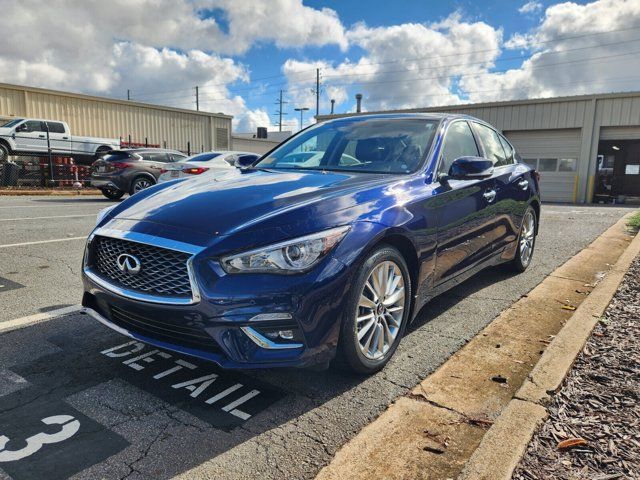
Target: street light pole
(301,110)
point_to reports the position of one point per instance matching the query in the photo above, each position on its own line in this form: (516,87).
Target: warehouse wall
(588,117)
(101,117)
(255,145)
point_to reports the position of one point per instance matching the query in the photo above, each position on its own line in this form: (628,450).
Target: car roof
(147,150)
(417,115)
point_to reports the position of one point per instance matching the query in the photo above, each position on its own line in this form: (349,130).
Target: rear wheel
(140,184)
(526,241)
(378,312)
(112,193)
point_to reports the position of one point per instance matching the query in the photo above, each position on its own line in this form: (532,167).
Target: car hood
(248,200)
(5,131)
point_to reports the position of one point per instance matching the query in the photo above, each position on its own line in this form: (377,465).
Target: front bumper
(226,324)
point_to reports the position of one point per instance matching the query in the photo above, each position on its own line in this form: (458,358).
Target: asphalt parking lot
(79,400)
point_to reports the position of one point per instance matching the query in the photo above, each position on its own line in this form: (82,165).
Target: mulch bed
(593,429)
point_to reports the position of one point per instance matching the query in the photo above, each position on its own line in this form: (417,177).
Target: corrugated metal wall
(253,145)
(93,116)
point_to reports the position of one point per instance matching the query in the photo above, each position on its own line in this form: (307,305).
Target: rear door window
(491,144)
(508,150)
(55,127)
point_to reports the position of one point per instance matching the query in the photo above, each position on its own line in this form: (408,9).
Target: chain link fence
(55,166)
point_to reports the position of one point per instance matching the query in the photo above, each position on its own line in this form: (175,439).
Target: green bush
(634,221)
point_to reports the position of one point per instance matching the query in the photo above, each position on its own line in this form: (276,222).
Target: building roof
(461,106)
(132,103)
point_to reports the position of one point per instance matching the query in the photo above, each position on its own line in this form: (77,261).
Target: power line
(455,76)
(543,42)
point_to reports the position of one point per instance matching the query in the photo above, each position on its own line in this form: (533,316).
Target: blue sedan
(296,261)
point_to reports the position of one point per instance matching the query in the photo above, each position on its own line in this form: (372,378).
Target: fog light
(286,334)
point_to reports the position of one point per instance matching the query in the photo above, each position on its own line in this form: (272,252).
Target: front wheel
(378,312)
(526,241)
(112,193)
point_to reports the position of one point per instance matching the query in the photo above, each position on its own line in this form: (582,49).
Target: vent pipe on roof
(358,102)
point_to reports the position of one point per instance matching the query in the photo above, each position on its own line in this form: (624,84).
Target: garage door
(620,133)
(555,154)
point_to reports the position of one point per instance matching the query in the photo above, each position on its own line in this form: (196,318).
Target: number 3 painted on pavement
(34,443)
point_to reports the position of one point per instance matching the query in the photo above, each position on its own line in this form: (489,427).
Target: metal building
(142,123)
(586,148)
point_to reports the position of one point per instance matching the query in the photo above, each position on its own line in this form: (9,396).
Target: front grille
(163,272)
(170,332)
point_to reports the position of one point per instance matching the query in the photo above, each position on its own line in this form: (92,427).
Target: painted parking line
(43,218)
(10,245)
(37,318)
(44,435)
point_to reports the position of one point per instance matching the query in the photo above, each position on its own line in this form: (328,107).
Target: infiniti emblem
(129,264)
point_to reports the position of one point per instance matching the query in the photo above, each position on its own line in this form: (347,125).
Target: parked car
(22,136)
(131,170)
(283,264)
(204,162)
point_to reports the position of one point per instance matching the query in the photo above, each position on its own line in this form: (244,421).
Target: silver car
(207,162)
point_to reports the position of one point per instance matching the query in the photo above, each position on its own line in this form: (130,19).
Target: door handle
(41,136)
(65,138)
(489,195)
(523,184)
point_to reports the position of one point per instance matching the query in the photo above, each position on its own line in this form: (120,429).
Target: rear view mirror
(469,168)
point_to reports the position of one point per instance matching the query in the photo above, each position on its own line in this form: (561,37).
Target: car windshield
(372,145)
(11,123)
(202,157)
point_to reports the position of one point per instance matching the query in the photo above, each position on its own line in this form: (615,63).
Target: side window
(458,142)
(508,150)
(161,157)
(174,157)
(492,147)
(34,126)
(55,127)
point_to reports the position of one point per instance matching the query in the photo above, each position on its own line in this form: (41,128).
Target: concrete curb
(61,193)
(504,444)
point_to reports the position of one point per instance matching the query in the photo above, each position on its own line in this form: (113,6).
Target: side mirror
(245,161)
(21,128)
(470,168)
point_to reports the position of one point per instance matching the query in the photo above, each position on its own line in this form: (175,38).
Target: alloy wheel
(527,237)
(380,310)
(141,185)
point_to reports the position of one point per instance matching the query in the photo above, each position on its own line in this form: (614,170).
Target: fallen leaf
(571,443)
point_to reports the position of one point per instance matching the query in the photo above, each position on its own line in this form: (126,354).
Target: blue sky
(398,54)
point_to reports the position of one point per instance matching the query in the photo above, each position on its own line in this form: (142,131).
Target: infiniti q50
(298,260)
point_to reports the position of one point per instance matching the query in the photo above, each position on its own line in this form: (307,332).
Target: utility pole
(128,94)
(301,110)
(280,102)
(197,99)
(317,92)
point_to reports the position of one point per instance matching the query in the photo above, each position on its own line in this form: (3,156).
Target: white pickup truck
(28,136)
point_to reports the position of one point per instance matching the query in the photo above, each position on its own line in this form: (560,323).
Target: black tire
(521,261)
(140,183)
(350,354)
(4,153)
(112,194)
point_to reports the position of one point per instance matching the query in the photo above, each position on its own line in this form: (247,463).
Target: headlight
(103,213)
(292,256)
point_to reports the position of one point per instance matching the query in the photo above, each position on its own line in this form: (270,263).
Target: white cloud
(404,66)
(151,46)
(586,61)
(531,7)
